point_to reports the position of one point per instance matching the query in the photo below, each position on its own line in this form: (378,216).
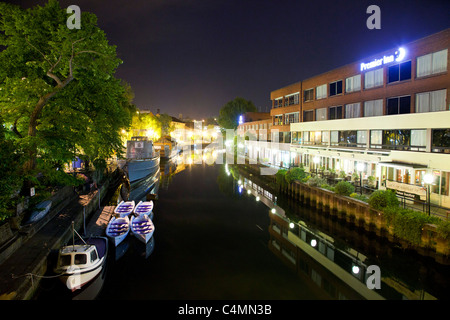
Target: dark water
(214,241)
(206,246)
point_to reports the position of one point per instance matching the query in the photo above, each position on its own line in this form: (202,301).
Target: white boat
(124,208)
(142,159)
(118,229)
(144,207)
(142,227)
(82,261)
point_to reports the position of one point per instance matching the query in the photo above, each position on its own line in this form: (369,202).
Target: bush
(315,182)
(344,188)
(359,196)
(381,199)
(407,223)
(280,176)
(295,174)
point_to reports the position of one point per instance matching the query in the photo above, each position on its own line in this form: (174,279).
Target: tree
(230,112)
(59,93)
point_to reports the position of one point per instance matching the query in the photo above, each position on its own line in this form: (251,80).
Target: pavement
(22,271)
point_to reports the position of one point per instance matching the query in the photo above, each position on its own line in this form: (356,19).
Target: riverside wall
(359,213)
(355,212)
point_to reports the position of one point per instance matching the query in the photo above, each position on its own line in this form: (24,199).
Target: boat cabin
(140,147)
(78,255)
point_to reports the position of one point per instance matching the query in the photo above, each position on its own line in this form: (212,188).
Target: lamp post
(316,161)
(428,179)
(360,168)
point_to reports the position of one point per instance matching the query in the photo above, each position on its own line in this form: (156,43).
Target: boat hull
(117,238)
(140,168)
(142,228)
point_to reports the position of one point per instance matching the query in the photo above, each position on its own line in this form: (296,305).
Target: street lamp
(428,179)
(360,168)
(316,161)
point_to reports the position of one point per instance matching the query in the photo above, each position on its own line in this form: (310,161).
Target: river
(216,238)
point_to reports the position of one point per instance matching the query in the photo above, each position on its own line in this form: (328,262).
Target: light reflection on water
(217,237)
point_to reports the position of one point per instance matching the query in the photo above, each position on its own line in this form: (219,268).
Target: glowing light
(257,198)
(291,225)
(428,178)
(400,53)
(313,242)
(273,210)
(355,269)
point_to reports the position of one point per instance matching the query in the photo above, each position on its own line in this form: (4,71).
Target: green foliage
(230,112)
(59,91)
(359,197)
(344,188)
(280,177)
(443,229)
(381,199)
(315,181)
(407,223)
(11,178)
(295,173)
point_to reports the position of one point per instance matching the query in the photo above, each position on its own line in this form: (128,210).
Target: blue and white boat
(142,159)
(124,208)
(142,227)
(144,207)
(118,229)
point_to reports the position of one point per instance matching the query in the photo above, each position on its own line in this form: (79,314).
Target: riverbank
(357,213)
(26,264)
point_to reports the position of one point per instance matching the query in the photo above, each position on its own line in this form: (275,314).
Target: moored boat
(142,227)
(124,208)
(118,229)
(82,261)
(144,207)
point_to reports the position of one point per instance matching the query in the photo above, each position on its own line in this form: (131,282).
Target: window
(441,140)
(306,137)
(291,99)
(335,88)
(373,108)
(291,118)
(334,137)
(373,78)
(398,105)
(418,140)
(376,138)
(396,139)
(399,72)
(347,138)
(315,137)
(278,102)
(431,101)
(308,115)
(325,137)
(361,138)
(335,113)
(321,92)
(308,95)
(278,120)
(80,259)
(353,84)
(295,137)
(352,110)
(321,114)
(432,63)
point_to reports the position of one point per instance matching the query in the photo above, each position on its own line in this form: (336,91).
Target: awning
(404,165)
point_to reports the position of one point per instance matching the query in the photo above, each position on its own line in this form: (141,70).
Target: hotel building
(389,113)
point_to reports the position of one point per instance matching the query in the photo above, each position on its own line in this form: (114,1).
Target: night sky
(191,57)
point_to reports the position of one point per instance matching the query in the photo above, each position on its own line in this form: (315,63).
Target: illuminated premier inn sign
(398,55)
